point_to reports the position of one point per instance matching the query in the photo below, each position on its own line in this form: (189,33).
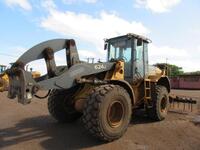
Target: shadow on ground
(140,117)
(53,135)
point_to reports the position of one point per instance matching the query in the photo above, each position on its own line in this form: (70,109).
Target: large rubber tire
(59,108)
(100,117)
(160,98)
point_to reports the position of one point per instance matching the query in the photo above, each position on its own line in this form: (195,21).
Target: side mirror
(105,46)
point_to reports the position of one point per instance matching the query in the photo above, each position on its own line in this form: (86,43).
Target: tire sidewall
(163,93)
(58,109)
(117,94)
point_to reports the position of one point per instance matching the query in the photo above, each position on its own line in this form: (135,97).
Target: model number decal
(101,66)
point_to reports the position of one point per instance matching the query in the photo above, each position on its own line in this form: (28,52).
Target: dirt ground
(31,128)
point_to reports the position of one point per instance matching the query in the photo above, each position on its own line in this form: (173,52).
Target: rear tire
(160,100)
(59,109)
(107,112)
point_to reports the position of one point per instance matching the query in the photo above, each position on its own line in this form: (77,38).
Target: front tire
(59,108)
(107,112)
(160,100)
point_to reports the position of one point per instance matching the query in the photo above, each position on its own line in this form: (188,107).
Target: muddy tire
(107,112)
(59,109)
(160,98)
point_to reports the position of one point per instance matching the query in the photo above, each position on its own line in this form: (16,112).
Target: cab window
(122,50)
(140,57)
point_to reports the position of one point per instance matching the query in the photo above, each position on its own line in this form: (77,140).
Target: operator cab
(133,50)
(2,68)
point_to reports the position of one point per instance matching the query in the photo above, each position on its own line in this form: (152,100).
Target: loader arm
(24,87)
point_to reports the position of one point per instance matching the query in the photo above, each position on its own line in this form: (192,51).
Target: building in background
(185,82)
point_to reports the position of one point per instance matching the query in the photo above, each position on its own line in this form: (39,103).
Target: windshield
(120,50)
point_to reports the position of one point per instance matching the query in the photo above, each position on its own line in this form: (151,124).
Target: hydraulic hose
(43,97)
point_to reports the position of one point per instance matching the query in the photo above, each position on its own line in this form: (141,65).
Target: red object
(185,82)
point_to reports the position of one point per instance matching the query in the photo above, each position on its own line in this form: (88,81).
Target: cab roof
(130,35)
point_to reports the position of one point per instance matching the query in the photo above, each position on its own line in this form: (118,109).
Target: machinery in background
(4,80)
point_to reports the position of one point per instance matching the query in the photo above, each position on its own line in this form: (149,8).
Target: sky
(172,25)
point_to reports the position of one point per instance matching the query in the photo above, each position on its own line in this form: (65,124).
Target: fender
(126,86)
(164,81)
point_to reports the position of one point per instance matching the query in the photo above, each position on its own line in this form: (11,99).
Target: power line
(5,54)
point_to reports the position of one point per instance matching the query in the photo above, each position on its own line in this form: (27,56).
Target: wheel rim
(163,104)
(115,114)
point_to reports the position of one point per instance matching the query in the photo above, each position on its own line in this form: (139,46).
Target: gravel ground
(31,128)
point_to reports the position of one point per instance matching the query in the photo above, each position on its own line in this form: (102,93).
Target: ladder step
(147,88)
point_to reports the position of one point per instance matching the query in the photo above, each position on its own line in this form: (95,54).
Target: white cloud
(87,54)
(16,51)
(78,1)
(11,54)
(90,1)
(180,57)
(90,29)
(168,52)
(157,6)
(93,30)
(48,4)
(24,4)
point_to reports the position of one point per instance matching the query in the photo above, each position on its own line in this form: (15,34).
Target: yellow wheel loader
(4,81)
(103,94)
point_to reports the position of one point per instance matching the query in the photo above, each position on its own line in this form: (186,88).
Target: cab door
(141,58)
(121,49)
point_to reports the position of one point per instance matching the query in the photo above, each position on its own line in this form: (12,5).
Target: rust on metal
(19,64)
(48,53)
(70,43)
(50,61)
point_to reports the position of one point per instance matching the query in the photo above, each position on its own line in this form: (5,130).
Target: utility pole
(166,67)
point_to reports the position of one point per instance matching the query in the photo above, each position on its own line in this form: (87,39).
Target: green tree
(171,70)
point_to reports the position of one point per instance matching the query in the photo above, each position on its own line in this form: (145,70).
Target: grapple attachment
(21,82)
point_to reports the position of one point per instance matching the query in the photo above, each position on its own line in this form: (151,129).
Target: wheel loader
(102,94)
(3,79)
